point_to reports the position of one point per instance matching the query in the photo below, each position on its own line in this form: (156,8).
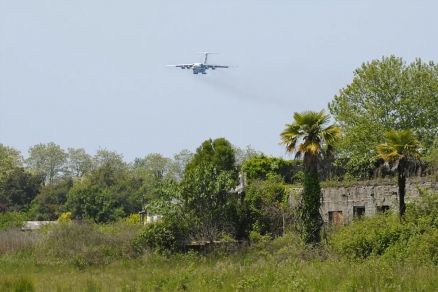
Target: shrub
(160,236)
(423,248)
(369,237)
(256,237)
(11,220)
(423,211)
(413,239)
(133,219)
(65,217)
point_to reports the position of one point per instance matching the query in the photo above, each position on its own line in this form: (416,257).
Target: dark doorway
(335,217)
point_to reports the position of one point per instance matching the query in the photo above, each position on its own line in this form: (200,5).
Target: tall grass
(14,240)
(87,244)
(20,284)
(379,253)
(280,265)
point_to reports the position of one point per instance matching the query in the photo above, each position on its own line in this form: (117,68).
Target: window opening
(358,211)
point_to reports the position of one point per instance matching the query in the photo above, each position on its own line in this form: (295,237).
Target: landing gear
(204,72)
(195,72)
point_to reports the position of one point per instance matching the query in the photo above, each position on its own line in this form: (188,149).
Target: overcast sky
(89,73)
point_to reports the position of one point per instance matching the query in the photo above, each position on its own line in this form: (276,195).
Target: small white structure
(153,218)
(35,225)
(242,184)
(146,218)
(144,214)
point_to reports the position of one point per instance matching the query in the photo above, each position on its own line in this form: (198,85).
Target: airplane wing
(188,66)
(211,66)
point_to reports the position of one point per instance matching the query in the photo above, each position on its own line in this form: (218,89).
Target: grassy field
(377,253)
(279,265)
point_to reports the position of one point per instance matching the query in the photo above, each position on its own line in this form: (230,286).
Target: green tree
(49,203)
(310,136)
(260,166)
(265,200)
(154,165)
(129,193)
(218,152)
(385,94)
(9,159)
(242,155)
(92,202)
(204,201)
(47,159)
(203,204)
(431,158)
(152,171)
(399,149)
(112,158)
(207,198)
(17,189)
(79,162)
(180,161)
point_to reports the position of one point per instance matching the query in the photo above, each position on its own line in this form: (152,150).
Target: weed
(22,284)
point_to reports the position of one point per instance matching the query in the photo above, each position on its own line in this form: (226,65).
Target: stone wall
(342,204)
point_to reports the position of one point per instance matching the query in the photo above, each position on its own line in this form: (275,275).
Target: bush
(161,236)
(11,220)
(65,217)
(423,248)
(413,239)
(369,237)
(133,219)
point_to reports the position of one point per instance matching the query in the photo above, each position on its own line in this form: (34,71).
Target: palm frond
(309,133)
(399,145)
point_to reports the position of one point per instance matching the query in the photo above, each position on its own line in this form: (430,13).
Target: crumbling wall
(373,196)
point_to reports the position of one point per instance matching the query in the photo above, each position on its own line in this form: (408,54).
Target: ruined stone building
(340,205)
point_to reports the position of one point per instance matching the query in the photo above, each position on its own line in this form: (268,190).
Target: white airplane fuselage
(200,67)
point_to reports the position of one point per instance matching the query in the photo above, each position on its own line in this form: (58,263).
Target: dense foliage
(259,167)
(267,207)
(385,94)
(414,239)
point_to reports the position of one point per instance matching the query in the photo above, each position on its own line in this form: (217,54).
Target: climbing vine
(309,213)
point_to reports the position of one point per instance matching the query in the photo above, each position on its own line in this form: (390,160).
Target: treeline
(104,188)
(101,188)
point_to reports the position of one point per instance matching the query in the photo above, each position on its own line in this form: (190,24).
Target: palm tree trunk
(310,216)
(401,188)
(310,163)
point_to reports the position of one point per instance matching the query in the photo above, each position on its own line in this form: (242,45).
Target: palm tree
(399,149)
(310,137)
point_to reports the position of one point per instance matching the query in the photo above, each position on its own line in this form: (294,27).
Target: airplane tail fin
(205,56)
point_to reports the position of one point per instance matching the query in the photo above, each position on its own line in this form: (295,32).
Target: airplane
(200,67)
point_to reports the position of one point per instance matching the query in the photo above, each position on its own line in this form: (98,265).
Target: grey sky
(92,73)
